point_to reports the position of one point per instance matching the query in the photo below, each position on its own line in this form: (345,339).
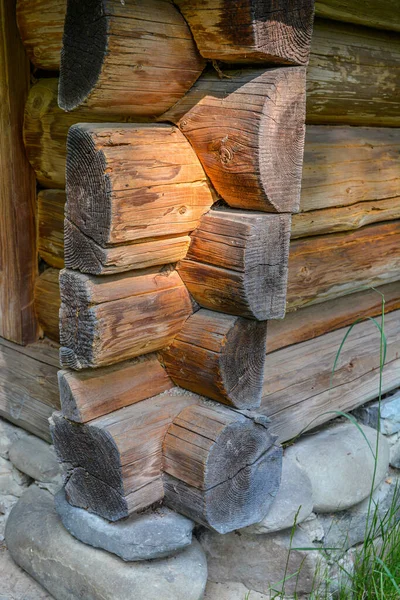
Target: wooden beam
(304,394)
(248,131)
(108,320)
(317,319)
(353,76)
(251,31)
(18,253)
(114,463)
(380,15)
(139,57)
(28,383)
(221,468)
(87,395)
(237,263)
(48,302)
(128,186)
(347,165)
(41,26)
(219,356)
(50,216)
(325,267)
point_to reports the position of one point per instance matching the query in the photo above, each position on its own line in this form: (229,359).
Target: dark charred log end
(83,51)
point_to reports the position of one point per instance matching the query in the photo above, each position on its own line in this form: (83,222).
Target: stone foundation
(319,515)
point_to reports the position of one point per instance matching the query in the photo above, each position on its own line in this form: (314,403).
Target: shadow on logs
(219,356)
(135,58)
(221,468)
(248,131)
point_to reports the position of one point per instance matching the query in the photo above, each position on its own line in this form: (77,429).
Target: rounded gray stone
(152,534)
(294,501)
(36,458)
(340,464)
(69,569)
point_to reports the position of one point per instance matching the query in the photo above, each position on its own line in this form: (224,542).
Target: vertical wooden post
(18,257)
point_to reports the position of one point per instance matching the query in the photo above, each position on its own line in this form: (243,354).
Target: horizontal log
(84,254)
(346,165)
(48,302)
(250,31)
(221,468)
(50,216)
(114,463)
(237,263)
(41,26)
(87,395)
(45,131)
(317,319)
(220,356)
(325,267)
(380,15)
(135,181)
(108,320)
(248,131)
(304,394)
(139,57)
(28,381)
(345,218)
(353,76)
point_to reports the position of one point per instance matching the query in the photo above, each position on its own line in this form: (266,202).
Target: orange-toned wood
(50,216)
(48,302)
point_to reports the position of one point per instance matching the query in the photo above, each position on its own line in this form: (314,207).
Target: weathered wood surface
(220,356)
(45,131)
(18,254)
(251,30)
(114,463)
(41,26)
(128,186)
(345,218)
(87,395)
(50,217)
(108,320)
(346,165)
(237,263)
(221,468)
(301,395)
(380,15)
(48,302)
(248,131)
(325,267)
(28,384)
(354,76)
(136,58)
(317,319)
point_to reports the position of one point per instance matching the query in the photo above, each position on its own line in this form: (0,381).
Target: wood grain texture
(114,463)
(45,131)
(220,467)
(135,191)
(237,263)
(18,253)
(48,302)
(325,267)
(353,76)
(87,395)
(317,319)
(251,30)
(380,15)
(219,356)
(41,26)
(347,165)
(137,58)
(50,217)
(248,131)
(108,320)
(28,384)
(302,396)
